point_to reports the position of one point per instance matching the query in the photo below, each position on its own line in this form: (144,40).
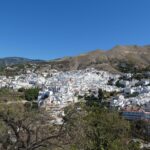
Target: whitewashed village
(59,89)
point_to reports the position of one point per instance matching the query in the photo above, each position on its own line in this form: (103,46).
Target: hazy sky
(47,29)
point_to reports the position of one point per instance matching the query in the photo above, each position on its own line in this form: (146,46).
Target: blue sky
(47,29)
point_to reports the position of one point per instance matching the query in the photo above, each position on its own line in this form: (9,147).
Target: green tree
(92,128)
(31,94)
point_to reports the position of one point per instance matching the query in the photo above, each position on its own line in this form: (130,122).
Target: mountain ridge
(8,61)
(109,60)
(112,60)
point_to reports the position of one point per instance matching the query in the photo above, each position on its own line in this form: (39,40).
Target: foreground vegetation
(84,128)
(88,125)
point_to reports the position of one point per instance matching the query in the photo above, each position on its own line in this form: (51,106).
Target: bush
(21,90)
(119,85)
(31,94)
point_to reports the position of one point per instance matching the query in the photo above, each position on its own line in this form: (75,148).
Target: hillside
(113,60)
(117,59)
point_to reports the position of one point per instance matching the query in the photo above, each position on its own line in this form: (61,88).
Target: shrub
(31,94)
(21,90)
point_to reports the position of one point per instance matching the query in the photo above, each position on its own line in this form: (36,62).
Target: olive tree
(25,129)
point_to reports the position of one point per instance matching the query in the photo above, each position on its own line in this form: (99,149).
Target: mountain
(119,58)
(8,61)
